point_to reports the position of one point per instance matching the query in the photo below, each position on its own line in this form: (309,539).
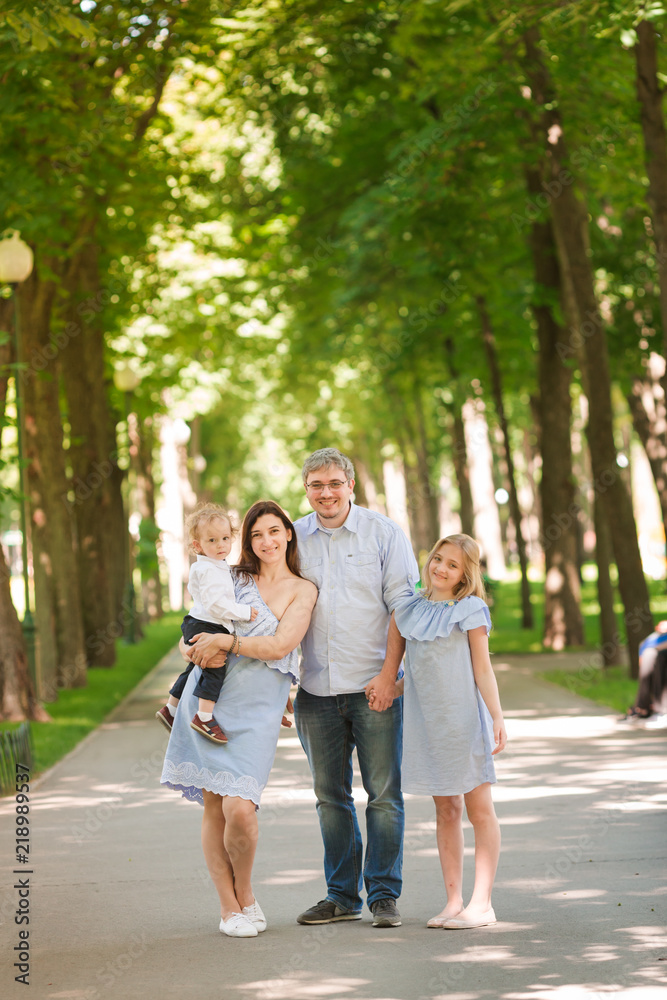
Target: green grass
(509,637)
(611,687)
(78,711)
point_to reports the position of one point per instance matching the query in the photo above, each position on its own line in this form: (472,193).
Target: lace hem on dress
(192,780)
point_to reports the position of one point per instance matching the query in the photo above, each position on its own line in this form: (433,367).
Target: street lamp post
(127,381)
(16,263)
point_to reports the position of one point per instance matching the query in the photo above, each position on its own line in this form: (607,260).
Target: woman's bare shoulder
(306,590)
(302,597)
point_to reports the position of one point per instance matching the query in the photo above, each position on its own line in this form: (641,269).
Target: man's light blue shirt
(361,569)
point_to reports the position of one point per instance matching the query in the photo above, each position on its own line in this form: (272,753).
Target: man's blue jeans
(329,728)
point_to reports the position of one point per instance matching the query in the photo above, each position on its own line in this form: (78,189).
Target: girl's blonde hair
(202,515)
(472,582)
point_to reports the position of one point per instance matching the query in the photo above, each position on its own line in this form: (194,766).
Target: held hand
(289,707)
(371,695)
(380,693)
(499,736)
(209,649)
(253,614)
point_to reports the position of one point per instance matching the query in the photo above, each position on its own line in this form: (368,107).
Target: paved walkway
(121,905)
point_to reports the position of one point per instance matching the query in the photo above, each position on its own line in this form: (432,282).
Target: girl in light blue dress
(453,724)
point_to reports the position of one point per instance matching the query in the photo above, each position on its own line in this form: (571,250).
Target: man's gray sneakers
(385,913)
(325,912)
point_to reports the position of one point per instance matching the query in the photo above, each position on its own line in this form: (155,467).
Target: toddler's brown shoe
(165,717)
(211,730)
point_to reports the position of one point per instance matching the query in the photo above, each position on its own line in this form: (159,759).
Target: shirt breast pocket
(362,569)
(312,570)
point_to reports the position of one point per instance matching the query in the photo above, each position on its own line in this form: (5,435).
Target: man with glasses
(362,565)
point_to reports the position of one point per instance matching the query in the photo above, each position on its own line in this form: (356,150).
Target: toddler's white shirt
(211,587)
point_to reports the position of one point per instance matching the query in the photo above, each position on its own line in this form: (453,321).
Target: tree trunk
(610,642)
(563,623)
(360,481)
(54,555)
(647,402)
(533,458)
(570,221)
(91,453)
(417,490)
(117,523)
(515,511)
(368,474)
(420,531)
(460,460)
(649,95)
(608,482)
(18,699)
(6,350)
(459,447)
(647,406)
(487,529)
(196,455)
(373,491)
(428,488)
(142,444)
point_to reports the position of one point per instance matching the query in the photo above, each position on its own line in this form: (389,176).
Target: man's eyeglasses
(337,484)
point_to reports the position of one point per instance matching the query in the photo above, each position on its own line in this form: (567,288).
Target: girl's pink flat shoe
(439,921)
(463,923)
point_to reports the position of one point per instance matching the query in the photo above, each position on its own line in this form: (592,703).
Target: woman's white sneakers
(238,925)
(249,923)
(254,914)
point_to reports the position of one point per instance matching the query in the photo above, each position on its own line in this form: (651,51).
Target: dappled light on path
(580,894)
(303,986)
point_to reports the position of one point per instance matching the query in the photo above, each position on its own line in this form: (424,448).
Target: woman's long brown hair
(249,564)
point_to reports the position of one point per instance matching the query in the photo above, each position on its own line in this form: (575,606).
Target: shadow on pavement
(121,903)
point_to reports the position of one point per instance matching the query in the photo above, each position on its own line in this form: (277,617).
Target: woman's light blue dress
(249,711)
(447,728)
